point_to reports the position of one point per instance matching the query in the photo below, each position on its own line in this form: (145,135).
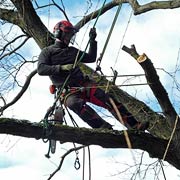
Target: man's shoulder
(48,49)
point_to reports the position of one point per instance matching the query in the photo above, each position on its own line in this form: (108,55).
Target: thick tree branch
(94,14)
(101,137)
(11,16)
(32,23)
(158,124)
(138,9)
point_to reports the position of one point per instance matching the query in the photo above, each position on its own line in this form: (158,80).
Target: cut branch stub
(155,84)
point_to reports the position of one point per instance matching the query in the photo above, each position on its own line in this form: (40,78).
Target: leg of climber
(99,97)
(85,112)
(129,121)
(92,118)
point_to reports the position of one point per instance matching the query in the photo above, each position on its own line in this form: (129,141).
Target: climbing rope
(123,38)
(99,13)
(77,162)
(109,35)
(122,122)
(171,137)
(89,159)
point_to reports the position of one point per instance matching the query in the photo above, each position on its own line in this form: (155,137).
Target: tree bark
(104,138)
(32,24)
(154,83)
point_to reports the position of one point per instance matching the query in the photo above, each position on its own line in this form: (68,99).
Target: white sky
(157,33)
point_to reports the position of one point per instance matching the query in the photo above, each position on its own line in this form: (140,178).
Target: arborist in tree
(58,62)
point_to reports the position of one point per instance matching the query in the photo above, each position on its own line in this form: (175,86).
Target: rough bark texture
(155,84)
(104,138)
(31,23)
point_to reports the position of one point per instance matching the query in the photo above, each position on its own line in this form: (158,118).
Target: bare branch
(61,9)
(16,38)
(154,83)
(94,14)
(158,90)
(62,159)
(53,4)
(14,50)
(23,90)
(139,9)
(101,137)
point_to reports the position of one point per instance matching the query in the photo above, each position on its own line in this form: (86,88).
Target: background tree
(21,23)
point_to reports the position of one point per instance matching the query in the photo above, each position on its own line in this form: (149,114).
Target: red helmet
(64,28)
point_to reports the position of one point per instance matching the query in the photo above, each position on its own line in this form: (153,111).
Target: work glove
(66,67)
(92,34)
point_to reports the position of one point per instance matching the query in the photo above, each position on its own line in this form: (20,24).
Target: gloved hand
(92,34)
(66,67)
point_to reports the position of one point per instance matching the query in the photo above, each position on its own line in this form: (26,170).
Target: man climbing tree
(60,62)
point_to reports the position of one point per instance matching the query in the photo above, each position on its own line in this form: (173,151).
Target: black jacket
(53,56)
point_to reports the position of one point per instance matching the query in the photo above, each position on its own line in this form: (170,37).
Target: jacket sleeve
(90,57)
(44,66)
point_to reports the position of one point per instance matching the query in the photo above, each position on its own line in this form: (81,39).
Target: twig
(62,160)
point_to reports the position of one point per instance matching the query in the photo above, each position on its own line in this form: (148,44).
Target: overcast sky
(156,33)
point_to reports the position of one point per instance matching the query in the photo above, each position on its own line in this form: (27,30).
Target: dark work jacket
(53,56)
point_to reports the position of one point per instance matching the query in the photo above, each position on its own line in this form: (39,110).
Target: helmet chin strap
(66,38)
(63,39)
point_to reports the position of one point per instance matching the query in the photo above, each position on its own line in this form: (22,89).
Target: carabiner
(77,164)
